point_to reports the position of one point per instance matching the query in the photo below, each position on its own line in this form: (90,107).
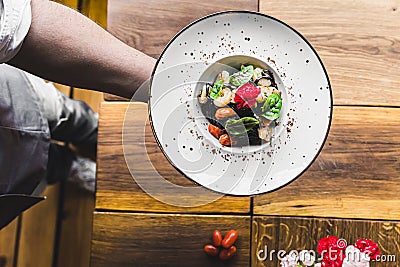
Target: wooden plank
(289,233)
(116,190)
(111,97)
(76,229)
(63,88)
(70,3)
(360,53)
(148,25)
(125,239)
(38,229)
(355,176)
(96,11)
(92,98)
(7,244)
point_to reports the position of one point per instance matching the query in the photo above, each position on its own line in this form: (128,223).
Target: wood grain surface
(76,229)
(355,176)
(124,239)
(38,231)
(111,97)
(116,189)
(148,25)
(96,10)
(358,41)
(92,98)
(290,233)
(63,88)
(7,244)
(70,3)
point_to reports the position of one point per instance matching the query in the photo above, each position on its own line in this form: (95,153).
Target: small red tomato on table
(223,247)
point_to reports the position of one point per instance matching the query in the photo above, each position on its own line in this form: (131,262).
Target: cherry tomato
(226,254)
(225,140)
(211,250)
(217,238)
(215,131)
(230,238)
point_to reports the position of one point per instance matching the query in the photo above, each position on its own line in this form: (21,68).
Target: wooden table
(351,190)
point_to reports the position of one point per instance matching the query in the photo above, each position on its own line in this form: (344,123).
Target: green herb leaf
(265,107)
(272,107)
(240,126)
(242,77)
(216,89)
(273,100)
(271,115)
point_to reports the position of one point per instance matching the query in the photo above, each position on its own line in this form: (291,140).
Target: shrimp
(224,75)
(257,74)
(264,82)
(265,133)
(265,92)
(203,96)
(265,130)
(224,99)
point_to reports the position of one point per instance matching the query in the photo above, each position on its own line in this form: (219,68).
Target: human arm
(66,47)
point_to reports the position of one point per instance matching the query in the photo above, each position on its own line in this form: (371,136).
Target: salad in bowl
(242,107)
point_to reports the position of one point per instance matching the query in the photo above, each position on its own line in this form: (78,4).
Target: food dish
(242,107)
(226,41)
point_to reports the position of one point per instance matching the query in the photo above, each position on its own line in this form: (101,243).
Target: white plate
(181,130)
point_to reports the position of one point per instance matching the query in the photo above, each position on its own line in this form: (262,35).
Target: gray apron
(24,144)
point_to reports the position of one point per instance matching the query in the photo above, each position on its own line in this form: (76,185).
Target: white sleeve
(15,21)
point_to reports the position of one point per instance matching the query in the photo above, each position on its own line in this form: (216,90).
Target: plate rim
(284,24)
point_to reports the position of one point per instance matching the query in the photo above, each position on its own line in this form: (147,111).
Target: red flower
(368,247)
(246,95)
(324,244)
(330,250)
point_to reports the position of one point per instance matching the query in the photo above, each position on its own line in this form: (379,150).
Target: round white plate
(234,38)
